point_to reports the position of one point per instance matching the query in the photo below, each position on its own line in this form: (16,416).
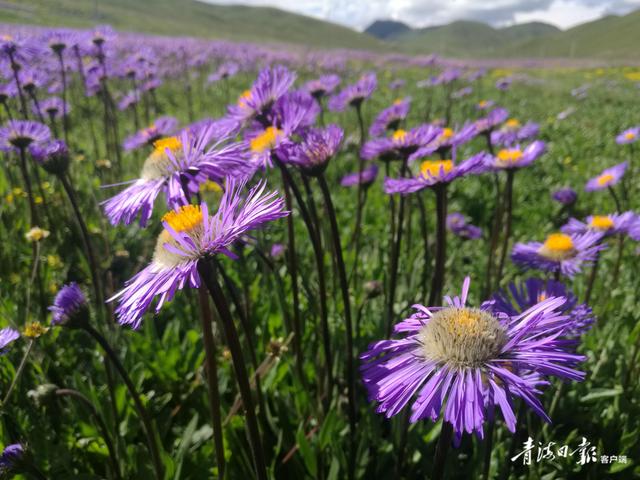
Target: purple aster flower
(434,172)
(22,133)
(190,234)
(176,165)
(448,139)
(520,298)
(128,100)
(354,95)
(560,253)
(277,251)
(390,118)
(565,196)
(504,83)
(457,224)
(53,156)
(516,157)
(322,86)
(367,177)
(465,361)
(495,117)
(318,146)
(463,92)
(10,458)
(161,127)
(634,228)
(69,307)
(484,105)
(54,107)
(271,84)
(224,71)
(605,224)
(7,336)
(512,132)
(401,145)
(628,136)
(608,178)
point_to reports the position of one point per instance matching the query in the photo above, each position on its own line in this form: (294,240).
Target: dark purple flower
(69,307)
(565,196)
(318,146)
(322,86)
(457,224)
(53,156)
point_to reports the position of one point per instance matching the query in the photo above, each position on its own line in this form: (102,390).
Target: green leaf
(306,452)
(598,393)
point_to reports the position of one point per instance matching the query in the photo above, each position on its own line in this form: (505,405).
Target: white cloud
(419,13)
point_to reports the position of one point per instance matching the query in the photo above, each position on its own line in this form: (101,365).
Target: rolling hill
(189,17)
(387,29)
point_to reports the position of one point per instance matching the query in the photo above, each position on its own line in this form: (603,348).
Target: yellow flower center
(399,135)
(508,156)
(184,219)
(601,222)
(36,234)
(244,96)
(172,143)
(435,168)
(605,179)
(512,123)
(482,103)
(7,38)
(397,101)
(557,246)
(542,296)
(447,133)
(629,135)
(267,140)
(34,330)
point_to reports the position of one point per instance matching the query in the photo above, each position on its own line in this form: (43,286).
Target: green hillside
(189,17)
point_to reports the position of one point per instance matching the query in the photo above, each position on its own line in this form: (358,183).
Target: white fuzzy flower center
(158,164)
(462,337)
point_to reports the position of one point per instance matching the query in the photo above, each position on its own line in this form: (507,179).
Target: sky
(358,14)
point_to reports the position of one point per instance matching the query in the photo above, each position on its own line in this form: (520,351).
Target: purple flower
(323,86)
(560,253)
(318,146)
(486,124)
(271,84)
(465,361)
(53,156)
(354,95)
(513,132)
(628,136)
(22,133)
(516,157)
(565,196)
(54,107)
(390,118)
(447,140)
(504,83)
(484,105)
(277,251)
(224,71)
(161,127)
(463,92)
(457,224)
(190,234)
(10,458)
(605,224)
(608,178)
(177,166)
(397,84)
(69,307)
(434,172)
(402,144)
(7,336)
(520,298)
(367,177)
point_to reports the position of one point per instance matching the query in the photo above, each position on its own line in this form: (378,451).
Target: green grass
(189,18)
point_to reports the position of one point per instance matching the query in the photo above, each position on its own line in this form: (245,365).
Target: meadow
(269,356)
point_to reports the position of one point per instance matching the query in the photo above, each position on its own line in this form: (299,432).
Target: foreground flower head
(322,86)
(436,172)
(191,233)
(53,156)
(177,166)
(318,146)
(401,145)
(520,297)
(516,157)
(69,307)
(390,118)
(628,136)
(605,224)
(19,134)
(447,140)
(560,253)
(7,336)
(366,177)
(608,178)
(354,95)
(464,361)
(161,127)
(11,458)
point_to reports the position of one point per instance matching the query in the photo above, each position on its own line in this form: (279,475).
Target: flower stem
(440,459)
(488,446)
(206,319)
(149,430)
(592,278)
(18,374)
(208,276)
(344,286)
(113,459)
(508,202)
(437,283)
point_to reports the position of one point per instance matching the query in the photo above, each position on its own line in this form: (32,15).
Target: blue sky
(420,13)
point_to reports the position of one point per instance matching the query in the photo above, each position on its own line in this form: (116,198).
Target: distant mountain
(387,29)
(190,18)
(526,31)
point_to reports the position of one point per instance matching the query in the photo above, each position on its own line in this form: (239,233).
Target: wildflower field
(226,260)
